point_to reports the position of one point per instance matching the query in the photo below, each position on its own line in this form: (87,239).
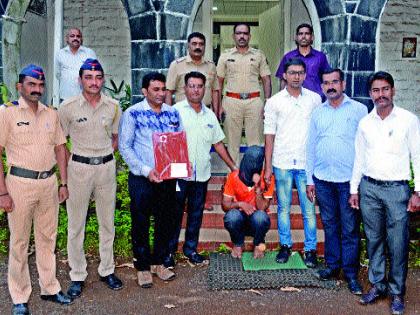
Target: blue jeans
(284,181)
(341,226)
(194,193)
(239,224)
(149,199)
(385,220)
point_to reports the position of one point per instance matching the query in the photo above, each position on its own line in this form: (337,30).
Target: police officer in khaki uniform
(91,121)
(194,61)
(34,142)
(242,67)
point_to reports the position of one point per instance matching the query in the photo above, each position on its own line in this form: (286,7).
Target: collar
(311,52)
(146,106)
(190,60)
(392,114)
(83,100)
(346,100)
(249,51)
(67,48)
(24,105)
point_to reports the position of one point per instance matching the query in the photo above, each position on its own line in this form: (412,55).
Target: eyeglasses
(334,82)
(299,73)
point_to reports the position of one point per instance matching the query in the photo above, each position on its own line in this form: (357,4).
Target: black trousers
(147,199)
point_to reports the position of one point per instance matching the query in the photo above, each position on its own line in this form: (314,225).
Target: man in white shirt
(386,140)
(287,115)
(69,60)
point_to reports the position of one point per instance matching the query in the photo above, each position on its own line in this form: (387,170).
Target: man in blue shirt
(329,164)
(149,194)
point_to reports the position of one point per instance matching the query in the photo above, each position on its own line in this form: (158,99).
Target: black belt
(385,182)
(92,160)
(23,172)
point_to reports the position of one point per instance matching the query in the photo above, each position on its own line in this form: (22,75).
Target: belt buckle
(243,96)
(43,175)
(96,161)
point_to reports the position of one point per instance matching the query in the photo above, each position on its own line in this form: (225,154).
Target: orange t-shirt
(235,188)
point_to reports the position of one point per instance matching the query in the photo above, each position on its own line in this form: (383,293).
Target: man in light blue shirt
(149,194)
(203,132)
(329,164)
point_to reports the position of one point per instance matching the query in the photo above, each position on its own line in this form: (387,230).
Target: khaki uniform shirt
(30,138)
(180,67)
(90,129)
(242,71)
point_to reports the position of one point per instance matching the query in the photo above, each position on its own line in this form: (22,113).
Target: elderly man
(68,62)
(203,132)
(329,163)
(242,67)
(91,121)
(286,124)
(387,139)
(149,194)
(316,61)
(34,142)
(194,61)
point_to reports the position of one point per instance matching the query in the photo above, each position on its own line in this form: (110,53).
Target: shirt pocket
(23,134)
(106,123)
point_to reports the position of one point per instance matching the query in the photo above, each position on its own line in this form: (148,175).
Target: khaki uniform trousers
(83,180)
(237,112)
(35,200)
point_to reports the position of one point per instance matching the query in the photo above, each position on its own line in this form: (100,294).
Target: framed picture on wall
(409,47)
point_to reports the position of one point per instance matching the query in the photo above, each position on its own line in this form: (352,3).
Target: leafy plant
(4,92)
(121,93)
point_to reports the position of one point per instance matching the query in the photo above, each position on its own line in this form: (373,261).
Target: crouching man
(246,199)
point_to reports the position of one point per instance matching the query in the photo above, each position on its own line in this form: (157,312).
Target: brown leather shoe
(164,273)
(144,279)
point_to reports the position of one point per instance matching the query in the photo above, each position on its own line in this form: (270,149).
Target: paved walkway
(188,295)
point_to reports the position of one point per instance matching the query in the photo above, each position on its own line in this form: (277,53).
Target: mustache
(93,86)
(382,98)
(197,50)
(36,93)
(331,90)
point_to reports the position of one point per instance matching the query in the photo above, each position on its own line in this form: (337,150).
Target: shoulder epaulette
(10,104)
(181,59)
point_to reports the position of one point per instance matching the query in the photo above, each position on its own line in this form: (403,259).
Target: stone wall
(401,19)
(105,29)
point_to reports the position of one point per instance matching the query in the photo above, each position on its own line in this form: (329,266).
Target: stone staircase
(213,233)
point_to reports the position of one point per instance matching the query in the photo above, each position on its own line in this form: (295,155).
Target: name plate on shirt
(171,155)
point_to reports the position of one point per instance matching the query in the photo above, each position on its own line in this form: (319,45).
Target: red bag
(171,154)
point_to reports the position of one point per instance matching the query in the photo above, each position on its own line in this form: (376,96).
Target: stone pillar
(348,38)
(159,29)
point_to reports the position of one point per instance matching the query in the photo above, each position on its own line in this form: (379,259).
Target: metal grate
(226,273)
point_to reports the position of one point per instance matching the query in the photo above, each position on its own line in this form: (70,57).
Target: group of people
(334,152)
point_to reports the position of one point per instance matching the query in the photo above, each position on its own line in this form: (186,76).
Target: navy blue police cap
(33,71)
(91,64)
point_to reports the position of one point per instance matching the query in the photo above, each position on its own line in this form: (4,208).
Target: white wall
(400,19)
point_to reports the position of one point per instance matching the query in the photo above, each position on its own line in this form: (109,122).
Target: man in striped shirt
(329,164)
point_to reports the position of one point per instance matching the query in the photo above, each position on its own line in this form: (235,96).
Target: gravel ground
(188,295)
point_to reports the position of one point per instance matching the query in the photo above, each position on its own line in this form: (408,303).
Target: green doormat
(268,262)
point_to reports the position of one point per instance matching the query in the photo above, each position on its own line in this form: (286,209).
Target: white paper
(179,170)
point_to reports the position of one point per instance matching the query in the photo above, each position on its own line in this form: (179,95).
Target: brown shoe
(144,279)
(164,273)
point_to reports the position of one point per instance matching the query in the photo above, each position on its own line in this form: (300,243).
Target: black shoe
(169,262)
(372,296)
(60,298)
(112,282)
(354,286)
(397,305)
(75,289)
(20,309)
(284,254)
(195,258)
(327,274)
(310,259)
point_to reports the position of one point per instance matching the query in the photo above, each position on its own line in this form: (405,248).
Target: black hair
(381,75)
(294,62)
(241,23)
(152,76)
(332,70)
(311,29)
(22,78)
(194,74)
(198,35)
